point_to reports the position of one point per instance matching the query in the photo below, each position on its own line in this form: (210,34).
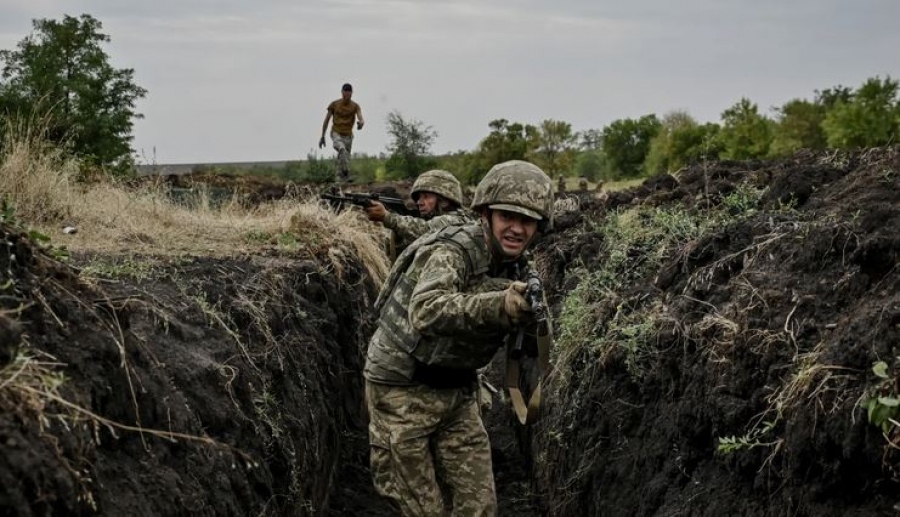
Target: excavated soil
(232,386)
(777,317)
(238,380)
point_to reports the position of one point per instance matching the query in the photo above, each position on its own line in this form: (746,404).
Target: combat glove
(322,142)
(515,305)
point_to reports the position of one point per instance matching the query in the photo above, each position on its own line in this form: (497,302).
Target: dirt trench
(232,386)
(762,332)
(227,386)
(209,387)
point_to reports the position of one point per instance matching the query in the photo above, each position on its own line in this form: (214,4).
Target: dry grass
(345,231)
(27,384)
(35,178)
(113,218)
(810,382)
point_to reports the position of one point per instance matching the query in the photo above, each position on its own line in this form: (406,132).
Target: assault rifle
(394,204)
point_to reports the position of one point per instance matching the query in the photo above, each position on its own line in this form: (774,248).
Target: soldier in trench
(438,196)
(450,301)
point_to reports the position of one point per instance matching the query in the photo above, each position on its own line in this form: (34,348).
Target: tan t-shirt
(343,116)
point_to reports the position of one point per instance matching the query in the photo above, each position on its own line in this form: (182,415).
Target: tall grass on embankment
(39,183)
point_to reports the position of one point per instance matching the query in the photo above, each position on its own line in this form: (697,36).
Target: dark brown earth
(257,359)
(818,283)
(244,372)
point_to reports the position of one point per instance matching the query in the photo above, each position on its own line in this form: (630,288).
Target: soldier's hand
(514,304)
(376,211)
(359,124)
(322,142)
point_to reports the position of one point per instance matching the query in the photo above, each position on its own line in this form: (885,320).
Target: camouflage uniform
(343,144)
(441,317)
(408,228)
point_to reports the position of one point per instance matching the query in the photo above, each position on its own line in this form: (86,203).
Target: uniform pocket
(380,463)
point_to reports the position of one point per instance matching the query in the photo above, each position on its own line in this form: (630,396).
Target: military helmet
(438,182)
(516,186)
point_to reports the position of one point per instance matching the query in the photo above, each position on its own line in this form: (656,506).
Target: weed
(882,403)
(255,236)
(127,266)
(745,199)
(599,313)
(729,444)
(269,412)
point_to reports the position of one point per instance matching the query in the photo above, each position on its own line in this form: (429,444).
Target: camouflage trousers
(343,144)
(418,435)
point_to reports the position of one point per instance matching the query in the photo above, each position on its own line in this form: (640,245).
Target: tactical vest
(456,217)
(464,351)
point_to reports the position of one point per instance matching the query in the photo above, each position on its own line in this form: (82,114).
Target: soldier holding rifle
(451,300)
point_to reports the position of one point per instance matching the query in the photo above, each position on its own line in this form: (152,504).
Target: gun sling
(530,411)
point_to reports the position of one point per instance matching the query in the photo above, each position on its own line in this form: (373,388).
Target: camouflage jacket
(408,228)
(440,311)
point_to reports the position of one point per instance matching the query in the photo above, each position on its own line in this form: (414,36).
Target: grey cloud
(230,80)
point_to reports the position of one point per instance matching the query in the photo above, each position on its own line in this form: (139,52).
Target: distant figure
(345,113)
(583,184)
(561,185)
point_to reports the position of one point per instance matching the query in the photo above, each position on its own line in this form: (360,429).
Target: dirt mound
(719,344)
(256,189)
(216,387)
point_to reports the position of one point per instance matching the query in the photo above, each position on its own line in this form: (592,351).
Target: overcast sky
(233,80)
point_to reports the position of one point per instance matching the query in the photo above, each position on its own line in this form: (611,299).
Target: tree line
(835,118)
(59,78)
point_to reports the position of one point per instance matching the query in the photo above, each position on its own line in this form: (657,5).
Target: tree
(409,146)
(680,142)
(745,133)
(831,97)
(661,155)
(800,123)
(458,163)
(870,118)
(591,165)
(555,147)
(798,126)
(506,141)
(317,170)
(626,143)
(60,75)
